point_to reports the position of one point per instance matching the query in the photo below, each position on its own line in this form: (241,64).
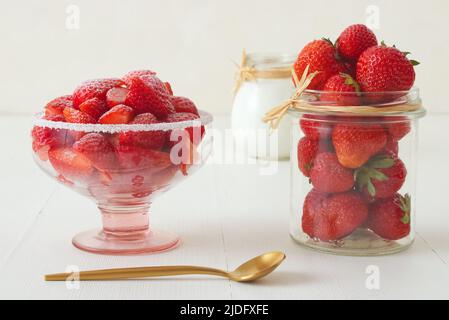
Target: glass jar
(270,83)
(353,173)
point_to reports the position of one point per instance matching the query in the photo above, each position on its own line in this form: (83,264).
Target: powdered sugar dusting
(205,118)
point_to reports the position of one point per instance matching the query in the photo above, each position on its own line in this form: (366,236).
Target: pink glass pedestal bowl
(122,180)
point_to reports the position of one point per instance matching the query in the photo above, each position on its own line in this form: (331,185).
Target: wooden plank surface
(224,214)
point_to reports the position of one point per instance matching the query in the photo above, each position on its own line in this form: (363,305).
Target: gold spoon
(251,270)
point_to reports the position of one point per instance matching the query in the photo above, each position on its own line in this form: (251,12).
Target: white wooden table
(225,214)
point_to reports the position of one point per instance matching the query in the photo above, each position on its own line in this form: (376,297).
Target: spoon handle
(130,273)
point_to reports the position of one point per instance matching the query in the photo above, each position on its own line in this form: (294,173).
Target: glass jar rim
(204,119)
(270,60)
(409,97)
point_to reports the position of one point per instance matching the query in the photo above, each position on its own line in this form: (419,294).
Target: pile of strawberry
(139,97)
(352,162)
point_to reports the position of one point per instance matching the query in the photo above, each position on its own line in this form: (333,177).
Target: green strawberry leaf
(370,188)
(327,40)
(381,162)
(405,219)
(414,62)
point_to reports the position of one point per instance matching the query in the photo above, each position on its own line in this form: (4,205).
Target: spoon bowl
(257,267)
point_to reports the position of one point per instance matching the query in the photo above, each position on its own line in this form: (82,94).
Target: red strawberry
(328,175)
(154,139)
(196,133)
(97,148)
(70,163)
(116,96)
(76,116)
(56,106)
(135,74)
(148,94)
(355,143)
(93,107)
(182,104)
(330,217)
(342,90)
(320,55)
(354,40)
(391,147)
(168,87)
(55,117)
(382,68)
(120,114)
(398,127)
(316,127)
(96,88)
(381,177)
(390,218)
(307,150)
(135,158)
(44,139)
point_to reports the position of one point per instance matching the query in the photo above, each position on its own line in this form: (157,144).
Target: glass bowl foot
(151,241)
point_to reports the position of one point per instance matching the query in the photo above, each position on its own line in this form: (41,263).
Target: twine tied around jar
(275,115)
(246,72)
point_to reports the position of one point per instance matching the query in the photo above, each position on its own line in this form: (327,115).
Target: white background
(192,43)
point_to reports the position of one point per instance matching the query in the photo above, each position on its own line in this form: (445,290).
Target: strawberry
(316,127)
(381,177)
(44,139)
(120,114)
(148,94)
(319,55)
(154,139)
(96,88)
(355,143)
(390,218)
(127,78)
(56,106)
(354,40)
(55,117)
(391,147)
(307,150)
(69,163)
(182,104)
(97,148)
(93,107)
(136,158)
(77,116)
(116,96)
(398,127)
(168,87)
(196,133)
(330,217)
(382,68)
(328,175)
(341,90)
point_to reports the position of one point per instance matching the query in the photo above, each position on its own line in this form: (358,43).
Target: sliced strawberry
(69,163)
(119,114)
(116,96)
(43,140)
(94,107)
(154,139)
(55,117)
(96,88)
(76,116)
(196,133)
(148,94)
(56,106)
(135,158)
(168,87)
(135,74)
(183,104)
(97,148)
